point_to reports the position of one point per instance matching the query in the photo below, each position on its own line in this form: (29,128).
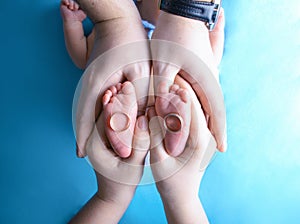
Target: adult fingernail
(79,155)
(143,123)
(225,146)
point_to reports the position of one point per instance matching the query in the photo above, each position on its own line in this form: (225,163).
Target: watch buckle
(211,25)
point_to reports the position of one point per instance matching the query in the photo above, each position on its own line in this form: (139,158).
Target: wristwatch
(207,12)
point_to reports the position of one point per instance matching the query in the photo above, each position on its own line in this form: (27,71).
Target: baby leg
(149,10)
(99,10)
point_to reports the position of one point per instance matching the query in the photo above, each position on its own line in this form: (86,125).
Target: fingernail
(143,123)
(79,155)
(225,146)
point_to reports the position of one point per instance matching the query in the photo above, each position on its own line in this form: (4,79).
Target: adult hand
(178,178)
(115,173)
(110,35)
(117,178)
(194,36)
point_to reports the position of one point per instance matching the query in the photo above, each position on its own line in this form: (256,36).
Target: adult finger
(141,141)
(209,93)
(217,36)
(99,153)
(201,74)
(100,75)
(200,142)
(157,150)
(88,107)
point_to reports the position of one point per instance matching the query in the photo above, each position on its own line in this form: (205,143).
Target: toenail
(173,122)
(119,121)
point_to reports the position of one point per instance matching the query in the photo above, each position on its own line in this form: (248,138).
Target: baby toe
(127,88)
(183,94)
(119,86)
(113,90)
(76,6)
(174,88)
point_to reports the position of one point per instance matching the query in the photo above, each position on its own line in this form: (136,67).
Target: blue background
(256,181)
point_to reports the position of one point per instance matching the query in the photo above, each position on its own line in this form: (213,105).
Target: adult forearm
(98,210)
(189,211)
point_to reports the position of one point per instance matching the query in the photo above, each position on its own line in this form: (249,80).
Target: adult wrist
(187,211)
(175,200)
(118,198)
(170,19)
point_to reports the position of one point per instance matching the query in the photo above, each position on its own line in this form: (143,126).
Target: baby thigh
(99,10)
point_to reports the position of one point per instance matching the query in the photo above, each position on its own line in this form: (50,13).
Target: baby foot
(120,111)
(174,101)
(71,12)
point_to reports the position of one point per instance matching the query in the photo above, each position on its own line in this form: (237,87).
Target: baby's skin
(110,30)
(120,112)
(123,128)
(81,48)
(120,97)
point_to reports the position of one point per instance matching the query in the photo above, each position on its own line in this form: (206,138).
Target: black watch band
(207,12)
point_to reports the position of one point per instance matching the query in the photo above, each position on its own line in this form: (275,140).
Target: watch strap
(199,10)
